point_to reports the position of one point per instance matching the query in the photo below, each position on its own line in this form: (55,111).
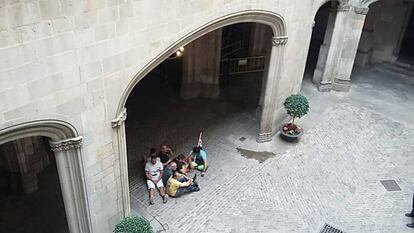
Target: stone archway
(65,143)
(383,39)
(269,91)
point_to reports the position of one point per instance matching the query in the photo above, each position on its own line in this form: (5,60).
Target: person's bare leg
(163,195)
(151,196)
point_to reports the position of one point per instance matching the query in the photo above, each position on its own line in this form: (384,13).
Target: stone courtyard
(332,175)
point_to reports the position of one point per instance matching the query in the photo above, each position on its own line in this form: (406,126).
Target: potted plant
(296,106)
(133,224)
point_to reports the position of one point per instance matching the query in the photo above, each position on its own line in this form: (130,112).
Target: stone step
(398,67)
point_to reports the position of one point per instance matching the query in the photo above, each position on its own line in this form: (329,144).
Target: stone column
(323,50)
(270,94)
(201,67)
(342,49)
(365,47)
(71,182)
(118,124)
(353,30)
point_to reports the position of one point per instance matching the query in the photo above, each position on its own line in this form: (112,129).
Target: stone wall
(383,31)
(72,60)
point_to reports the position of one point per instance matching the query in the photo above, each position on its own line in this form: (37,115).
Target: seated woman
(175,188)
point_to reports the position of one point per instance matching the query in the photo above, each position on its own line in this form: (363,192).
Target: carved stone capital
(279,40)
(117,122)
(264,137)
(344,8)
(67,144)
(361,10)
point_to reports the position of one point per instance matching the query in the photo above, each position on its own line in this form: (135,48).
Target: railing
(242,65)
(231,48)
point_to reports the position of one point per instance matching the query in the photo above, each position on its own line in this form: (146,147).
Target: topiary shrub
(296,106)
(133,224)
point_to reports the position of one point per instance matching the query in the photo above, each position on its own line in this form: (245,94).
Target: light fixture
(177,53)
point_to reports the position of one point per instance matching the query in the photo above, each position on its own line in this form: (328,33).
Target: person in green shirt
(199,159)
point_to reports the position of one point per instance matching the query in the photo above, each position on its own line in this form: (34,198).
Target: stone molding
(350,8)
(341,85)
(361,10)
(67,144)
(117,122)
(264,137)
(344,8)
(279,40)
(325,87)
(356,10)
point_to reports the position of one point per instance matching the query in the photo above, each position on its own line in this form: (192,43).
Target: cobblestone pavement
(332,175)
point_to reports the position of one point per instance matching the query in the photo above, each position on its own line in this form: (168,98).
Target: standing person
(411,215)
(165,154)
(176,188)
(153,172)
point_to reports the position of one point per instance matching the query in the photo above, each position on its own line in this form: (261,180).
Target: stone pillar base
(264,137)
(195,90)
(325,87)
(341,85)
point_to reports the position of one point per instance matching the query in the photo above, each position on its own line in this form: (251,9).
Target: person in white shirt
(153,172)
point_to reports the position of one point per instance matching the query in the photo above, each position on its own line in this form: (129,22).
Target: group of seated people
(166,170)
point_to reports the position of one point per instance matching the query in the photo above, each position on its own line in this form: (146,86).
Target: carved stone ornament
(361,10)
(344,8)
(117,122)
(280,40)
(67,144)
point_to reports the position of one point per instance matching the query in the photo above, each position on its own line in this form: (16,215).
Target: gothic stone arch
(65,143)
(279,40)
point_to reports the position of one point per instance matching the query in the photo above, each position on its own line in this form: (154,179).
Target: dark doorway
(407,45)
(30,194)
(317,39)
